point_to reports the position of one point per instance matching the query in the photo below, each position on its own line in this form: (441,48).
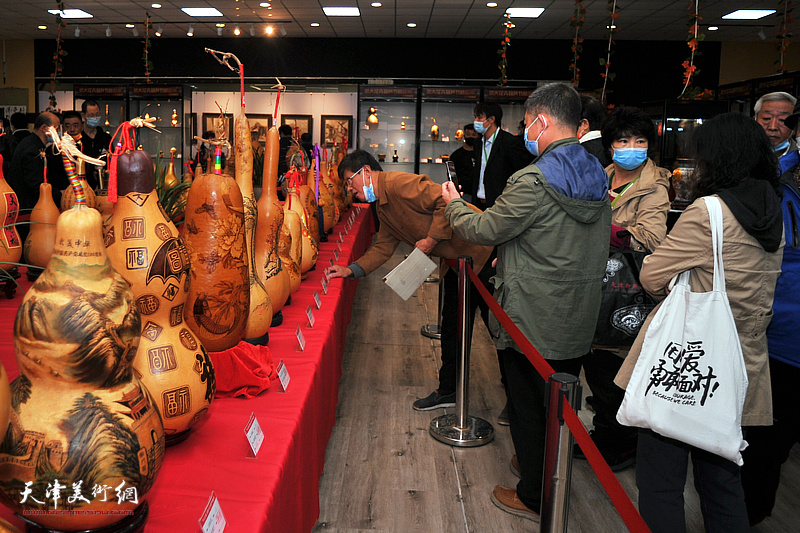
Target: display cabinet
(112,99)
(170,108)
(387,125)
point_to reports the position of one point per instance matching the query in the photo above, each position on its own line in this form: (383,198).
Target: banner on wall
(8,110)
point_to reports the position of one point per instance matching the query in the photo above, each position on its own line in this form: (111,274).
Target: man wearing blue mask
(551,226)
(770,111)
(411,210)
(95,140)
(501,154)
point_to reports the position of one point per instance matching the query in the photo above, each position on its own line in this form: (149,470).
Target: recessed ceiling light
(42,27)
(411,25)
(201,11)
(713,28)
(341,11)
(525,12)
(155,6)
(220,24)
(748,14)
(491,4)
(315,24)
(129,25)
(71,13)
(264,4)
(376,4)
(612,27)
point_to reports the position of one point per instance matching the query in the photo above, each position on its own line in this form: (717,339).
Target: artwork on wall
(259,125)
(300,124)
(336,129)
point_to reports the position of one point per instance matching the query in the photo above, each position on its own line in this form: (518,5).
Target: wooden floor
(384,472)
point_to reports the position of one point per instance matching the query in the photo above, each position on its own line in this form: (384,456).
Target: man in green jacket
(551,225)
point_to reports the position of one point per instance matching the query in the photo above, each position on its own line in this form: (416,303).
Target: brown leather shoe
(507,500)
(515,466)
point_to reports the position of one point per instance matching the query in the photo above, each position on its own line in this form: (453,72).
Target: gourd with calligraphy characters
(145,247)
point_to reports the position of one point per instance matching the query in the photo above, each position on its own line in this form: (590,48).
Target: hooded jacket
(750,275)
(551,224)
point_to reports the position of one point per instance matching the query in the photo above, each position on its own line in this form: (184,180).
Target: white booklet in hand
(406,277)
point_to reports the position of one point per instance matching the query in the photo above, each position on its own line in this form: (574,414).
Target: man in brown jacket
(411,210)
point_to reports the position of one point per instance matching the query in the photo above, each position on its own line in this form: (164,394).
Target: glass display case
(444,112)
(387,125)
(113,102)
(166,104)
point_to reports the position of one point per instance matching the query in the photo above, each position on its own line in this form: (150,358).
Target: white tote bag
(690,381)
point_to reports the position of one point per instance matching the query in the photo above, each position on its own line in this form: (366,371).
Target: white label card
(212,520)
(324,286)
(339,246)
(255,436)
(317,299)
(331,261)
(336,254)
(300,338)
(283,373)
(341,237)
(310,315)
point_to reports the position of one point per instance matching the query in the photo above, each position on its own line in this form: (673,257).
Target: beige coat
(411,208)
(750,276)
(642,209)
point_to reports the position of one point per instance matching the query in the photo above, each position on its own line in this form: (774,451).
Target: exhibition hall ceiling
(432,19)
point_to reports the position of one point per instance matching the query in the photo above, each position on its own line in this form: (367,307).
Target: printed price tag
(324,286)
(339,246)
(254,434)
(310,315)
(336,254)
(341,237)
(283,374)
(300,338)
(212,520)
(317,299)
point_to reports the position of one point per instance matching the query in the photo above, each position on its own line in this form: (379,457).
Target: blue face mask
(533,146)
(479,127)
(782,146)
(369,191)
(630,158)
(93,122)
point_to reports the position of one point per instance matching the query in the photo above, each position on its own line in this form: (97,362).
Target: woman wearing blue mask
(639,192)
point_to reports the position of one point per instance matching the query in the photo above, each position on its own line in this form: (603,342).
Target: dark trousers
(769,446)
(527,417)
(600,367)
(450,355)
(661,469)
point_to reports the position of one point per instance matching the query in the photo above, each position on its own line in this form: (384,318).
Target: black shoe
(434,401)
(502,418)
(619,454)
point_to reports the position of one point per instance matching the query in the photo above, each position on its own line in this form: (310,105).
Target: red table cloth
(277,490)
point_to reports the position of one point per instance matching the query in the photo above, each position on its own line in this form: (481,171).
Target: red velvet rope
(618,496)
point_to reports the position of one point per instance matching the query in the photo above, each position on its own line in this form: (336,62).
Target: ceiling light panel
(341,11)
(201,11)
(525,12)
(71,13)
(748,14)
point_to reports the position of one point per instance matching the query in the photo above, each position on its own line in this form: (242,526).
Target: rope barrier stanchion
(460,429)
(434,331)
(558,453)
(627,511)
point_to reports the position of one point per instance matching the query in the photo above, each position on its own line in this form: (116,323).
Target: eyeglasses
(349,181)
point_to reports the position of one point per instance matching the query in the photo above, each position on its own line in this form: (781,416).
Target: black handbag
(625,304)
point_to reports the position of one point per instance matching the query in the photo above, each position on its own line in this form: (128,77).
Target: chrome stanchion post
(460,429)
(558,453)
(434,331)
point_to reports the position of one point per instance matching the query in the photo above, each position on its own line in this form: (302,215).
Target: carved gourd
(10,243)
(170,179)
(81,419)
(219,294)
(68,196)
(260,315)
(145,247)
(42,236)
(309,202)
(331,193)
(325,201)
(310,250)
(290,248)
(268,229)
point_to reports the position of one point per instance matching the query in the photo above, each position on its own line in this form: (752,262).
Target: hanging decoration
(578,16)
(504,44)
(612,30)
(690,70)
(58,57)
(148,64)
(783,33)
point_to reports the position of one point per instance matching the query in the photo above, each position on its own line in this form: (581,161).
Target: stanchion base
(433,278)
(478,433)
(431,331)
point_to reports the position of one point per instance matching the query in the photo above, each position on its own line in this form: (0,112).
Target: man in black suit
(501,154)
(593,112)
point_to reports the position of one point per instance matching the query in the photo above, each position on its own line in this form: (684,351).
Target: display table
(277,490)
